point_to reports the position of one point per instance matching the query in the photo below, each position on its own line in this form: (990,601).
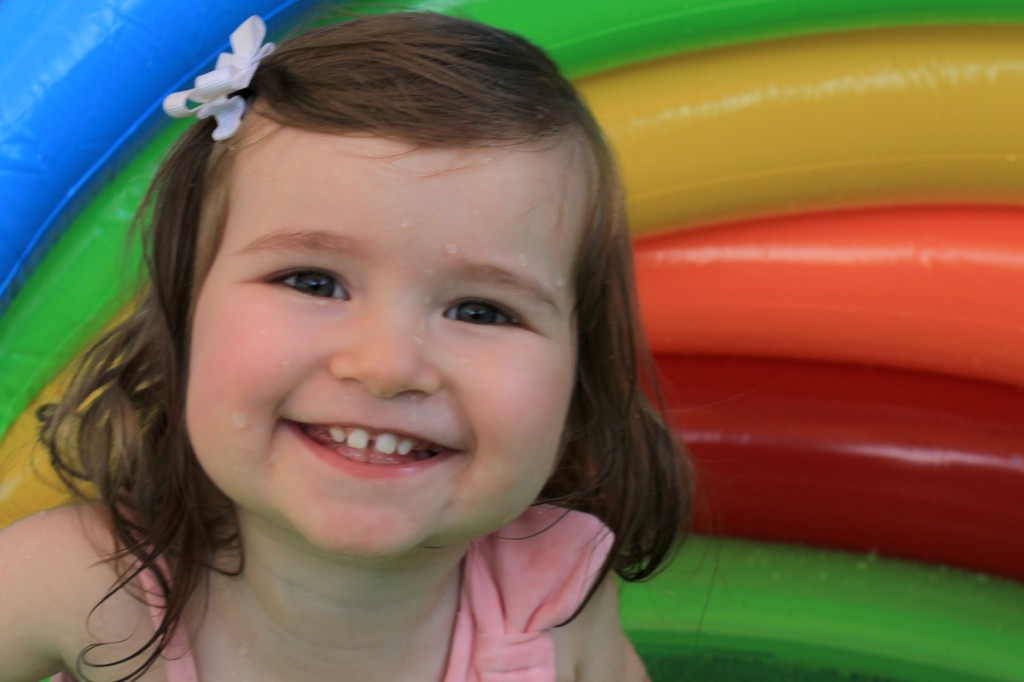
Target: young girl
(381,414)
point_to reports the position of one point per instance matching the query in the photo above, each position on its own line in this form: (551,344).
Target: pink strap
(518,584)
(178,663)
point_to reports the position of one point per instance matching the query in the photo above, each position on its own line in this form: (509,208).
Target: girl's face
(415,304)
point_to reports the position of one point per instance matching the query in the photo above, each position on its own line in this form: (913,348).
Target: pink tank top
(517,584)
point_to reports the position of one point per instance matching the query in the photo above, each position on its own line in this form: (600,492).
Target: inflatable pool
(828,205)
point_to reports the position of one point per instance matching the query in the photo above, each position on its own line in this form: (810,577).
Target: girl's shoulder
(53,572)
(593,647)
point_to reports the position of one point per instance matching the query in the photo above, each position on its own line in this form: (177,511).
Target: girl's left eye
(479,312)
(315,283)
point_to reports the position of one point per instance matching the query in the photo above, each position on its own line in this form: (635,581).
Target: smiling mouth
(371,447)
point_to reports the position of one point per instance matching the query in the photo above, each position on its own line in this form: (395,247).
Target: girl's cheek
(228,351)
(528,394)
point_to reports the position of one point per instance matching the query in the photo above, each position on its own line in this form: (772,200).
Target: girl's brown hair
(421,78)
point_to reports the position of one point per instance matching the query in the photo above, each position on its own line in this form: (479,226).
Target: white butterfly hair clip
(216,92)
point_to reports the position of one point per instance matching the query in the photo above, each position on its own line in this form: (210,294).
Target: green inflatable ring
(589,37)
(733,610)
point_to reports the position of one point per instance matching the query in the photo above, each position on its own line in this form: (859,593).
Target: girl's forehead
(303,174)
(269,145)
(528,200)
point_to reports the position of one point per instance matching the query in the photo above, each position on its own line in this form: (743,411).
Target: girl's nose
(387,356)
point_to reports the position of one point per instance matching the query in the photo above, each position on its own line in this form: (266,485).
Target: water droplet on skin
(405,224)
(523,260)
(559,281)
(285,363)
(428,299)
(243,650)
(262,332)
(451,248)
(239,420)
(418,340)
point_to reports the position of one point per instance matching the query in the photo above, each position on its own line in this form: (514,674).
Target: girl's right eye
(315,283)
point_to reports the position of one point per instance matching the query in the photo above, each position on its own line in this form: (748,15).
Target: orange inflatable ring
(924,288)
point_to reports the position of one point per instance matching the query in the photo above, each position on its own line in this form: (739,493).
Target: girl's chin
(364,534)
(394,554)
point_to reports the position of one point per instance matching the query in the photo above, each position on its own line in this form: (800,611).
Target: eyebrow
(506,279)
(302,241)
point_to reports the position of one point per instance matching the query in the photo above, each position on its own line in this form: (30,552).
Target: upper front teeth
(384,443)
(358,439)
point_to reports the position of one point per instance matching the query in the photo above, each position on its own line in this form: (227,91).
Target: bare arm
(30,589)
(51,577)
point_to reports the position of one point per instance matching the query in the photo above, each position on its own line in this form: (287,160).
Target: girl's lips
(366,461)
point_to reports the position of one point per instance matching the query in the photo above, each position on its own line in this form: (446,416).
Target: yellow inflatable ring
(906,116)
